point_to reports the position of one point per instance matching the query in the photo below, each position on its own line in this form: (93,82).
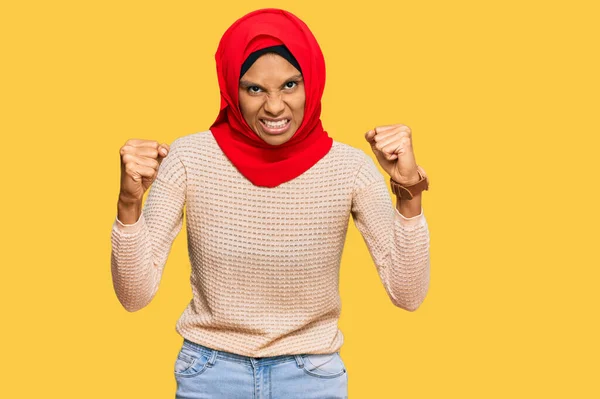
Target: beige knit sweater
(265,261)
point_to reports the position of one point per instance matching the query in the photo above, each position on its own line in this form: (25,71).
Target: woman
(268,196)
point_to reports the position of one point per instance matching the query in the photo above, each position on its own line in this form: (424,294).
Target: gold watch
(408,192)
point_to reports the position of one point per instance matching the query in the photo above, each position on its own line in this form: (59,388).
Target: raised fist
(140,160)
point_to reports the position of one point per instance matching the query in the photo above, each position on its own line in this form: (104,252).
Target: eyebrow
(246,83)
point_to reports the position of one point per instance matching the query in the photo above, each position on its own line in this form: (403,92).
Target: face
(271,96)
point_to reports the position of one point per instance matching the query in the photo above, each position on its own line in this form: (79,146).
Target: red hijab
(261,163)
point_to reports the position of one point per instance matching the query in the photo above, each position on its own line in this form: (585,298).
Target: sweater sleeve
(399,246)
(140,250)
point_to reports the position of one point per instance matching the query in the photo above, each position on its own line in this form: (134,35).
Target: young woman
(268,196)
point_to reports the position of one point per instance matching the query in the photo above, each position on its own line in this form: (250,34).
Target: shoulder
(355,161)
(199,145)
(358,158)
(364,168)
(342,151)
(193,141)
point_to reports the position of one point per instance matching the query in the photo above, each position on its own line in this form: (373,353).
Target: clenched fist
(140,160)
(392,145)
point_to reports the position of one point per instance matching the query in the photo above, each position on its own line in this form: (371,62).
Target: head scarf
(281,50)
(261,163)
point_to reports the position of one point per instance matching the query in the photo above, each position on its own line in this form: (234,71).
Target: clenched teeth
(275,124)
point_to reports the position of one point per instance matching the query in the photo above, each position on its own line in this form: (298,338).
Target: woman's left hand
(392,145)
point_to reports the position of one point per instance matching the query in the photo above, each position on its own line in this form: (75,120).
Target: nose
(274,104)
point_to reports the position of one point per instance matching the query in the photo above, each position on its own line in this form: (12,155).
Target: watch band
(408,192)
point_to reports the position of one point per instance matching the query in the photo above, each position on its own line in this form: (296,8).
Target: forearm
(409,208)
(135,279)
(398,239)
(407,280)
(128,211)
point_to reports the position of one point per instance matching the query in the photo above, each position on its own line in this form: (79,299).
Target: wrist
(410,188)
(128,201)
(409,181)
(128,210)
(409,208)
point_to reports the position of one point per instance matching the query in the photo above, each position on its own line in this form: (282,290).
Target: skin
(272,88)
(140,160)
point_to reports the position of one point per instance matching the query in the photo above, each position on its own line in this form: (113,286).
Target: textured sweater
(265,261)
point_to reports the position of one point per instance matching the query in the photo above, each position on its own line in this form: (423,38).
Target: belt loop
(299,360)
(213,357)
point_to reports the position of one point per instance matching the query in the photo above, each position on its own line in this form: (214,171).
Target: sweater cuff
(411,221)
(129,228)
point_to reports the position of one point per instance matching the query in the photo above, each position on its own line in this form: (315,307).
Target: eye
(254,89)
(291,84)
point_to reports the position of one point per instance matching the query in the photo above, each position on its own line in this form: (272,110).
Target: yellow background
(502,98)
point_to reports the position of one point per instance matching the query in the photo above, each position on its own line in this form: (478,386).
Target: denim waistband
(241,358)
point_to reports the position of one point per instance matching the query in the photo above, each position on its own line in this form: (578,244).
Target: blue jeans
(202,372)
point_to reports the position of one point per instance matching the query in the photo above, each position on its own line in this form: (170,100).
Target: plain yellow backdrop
(502,99)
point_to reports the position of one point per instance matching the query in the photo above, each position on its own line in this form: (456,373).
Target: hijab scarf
(261,163)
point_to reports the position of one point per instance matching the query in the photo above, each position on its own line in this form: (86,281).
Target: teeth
(275,124)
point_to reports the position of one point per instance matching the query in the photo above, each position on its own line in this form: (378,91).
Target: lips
(275,126)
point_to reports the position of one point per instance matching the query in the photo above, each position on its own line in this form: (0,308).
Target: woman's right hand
(140,160)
